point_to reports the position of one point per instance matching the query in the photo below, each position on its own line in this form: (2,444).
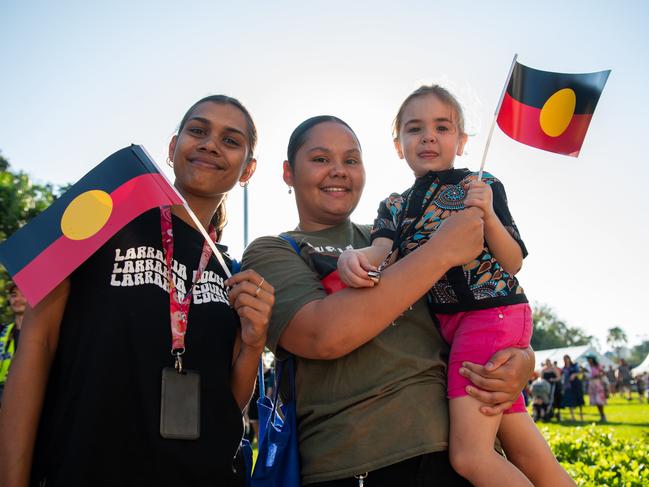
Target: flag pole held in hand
(493,122)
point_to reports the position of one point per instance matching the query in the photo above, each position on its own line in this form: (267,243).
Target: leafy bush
(595,458)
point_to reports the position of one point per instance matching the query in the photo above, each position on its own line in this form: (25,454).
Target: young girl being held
(480,306)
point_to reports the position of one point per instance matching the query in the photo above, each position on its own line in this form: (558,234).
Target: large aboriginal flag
(548,110)
(52,245)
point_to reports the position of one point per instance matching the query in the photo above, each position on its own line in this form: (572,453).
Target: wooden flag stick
(493,122)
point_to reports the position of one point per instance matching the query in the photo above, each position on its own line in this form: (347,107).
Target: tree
(552,332)
(616,338)
(20,201)
(639,353)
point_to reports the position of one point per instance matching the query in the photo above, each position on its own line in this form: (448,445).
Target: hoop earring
(290,190)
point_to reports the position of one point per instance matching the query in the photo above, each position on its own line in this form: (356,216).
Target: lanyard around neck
(179,308)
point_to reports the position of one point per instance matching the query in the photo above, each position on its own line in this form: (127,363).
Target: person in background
(612,380)
(573,389)
(552,374)
(624,379)
(641,384)
(541,394)
(10,332)
(527,390)
(596,390)
(558,391)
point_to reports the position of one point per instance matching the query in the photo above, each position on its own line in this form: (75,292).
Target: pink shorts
(476,335)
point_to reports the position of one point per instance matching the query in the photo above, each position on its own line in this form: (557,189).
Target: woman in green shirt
(370,378)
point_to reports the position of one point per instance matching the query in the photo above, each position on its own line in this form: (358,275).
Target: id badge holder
(180,404)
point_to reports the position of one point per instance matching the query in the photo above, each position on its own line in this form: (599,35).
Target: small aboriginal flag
(550,111)
(52,245)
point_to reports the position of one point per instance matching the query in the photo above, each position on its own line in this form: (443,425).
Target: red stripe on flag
(63,256)
(521,123)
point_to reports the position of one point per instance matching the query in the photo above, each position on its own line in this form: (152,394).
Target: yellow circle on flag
(557,112)
(86,214)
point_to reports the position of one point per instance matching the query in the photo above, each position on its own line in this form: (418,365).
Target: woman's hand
(499,383)
(252,297)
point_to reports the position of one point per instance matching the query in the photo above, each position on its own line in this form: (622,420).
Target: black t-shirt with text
(101,419)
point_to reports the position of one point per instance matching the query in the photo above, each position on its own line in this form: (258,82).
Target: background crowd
(555,388)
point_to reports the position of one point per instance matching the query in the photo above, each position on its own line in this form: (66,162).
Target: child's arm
(502,245)
(353,264)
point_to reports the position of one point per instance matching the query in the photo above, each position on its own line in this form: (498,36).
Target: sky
(82,79)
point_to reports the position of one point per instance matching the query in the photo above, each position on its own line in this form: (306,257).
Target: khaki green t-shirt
(378,405)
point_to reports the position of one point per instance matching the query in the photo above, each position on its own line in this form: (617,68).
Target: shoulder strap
(291,240)
(284,368)
(260,378)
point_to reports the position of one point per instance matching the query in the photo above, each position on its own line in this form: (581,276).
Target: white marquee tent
(578,355)
(643,367)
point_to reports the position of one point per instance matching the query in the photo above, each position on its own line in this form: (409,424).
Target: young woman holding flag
(103,390)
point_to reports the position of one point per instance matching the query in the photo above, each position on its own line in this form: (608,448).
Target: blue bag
(278,461)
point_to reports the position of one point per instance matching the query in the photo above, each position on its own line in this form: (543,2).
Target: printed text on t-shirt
(138,266)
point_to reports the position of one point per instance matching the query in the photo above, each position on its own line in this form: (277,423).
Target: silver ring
(259,287)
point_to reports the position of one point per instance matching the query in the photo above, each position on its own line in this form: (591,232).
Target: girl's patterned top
(408,219)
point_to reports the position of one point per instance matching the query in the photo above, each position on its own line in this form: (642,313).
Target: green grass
(614,454)
(626,419)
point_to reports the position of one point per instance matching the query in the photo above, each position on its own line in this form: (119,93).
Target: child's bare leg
(471,448)
(527,449)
